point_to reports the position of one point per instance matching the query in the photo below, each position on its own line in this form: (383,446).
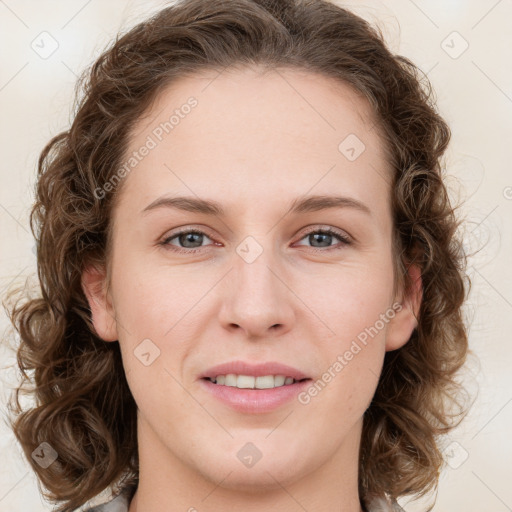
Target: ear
(103,315)
(401,326)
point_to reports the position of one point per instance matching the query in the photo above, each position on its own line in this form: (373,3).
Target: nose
(256,298)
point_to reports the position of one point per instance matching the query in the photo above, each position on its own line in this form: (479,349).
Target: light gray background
(474,91)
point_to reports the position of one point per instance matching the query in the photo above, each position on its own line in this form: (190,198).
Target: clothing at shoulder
(111,500)
(120,502)
(384,505)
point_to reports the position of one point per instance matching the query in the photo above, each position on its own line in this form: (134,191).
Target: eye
(325,238)
(191,240)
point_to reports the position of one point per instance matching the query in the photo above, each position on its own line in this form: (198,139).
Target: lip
(256,370)
(254,401)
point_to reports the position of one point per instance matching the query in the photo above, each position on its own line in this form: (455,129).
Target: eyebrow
(300,205)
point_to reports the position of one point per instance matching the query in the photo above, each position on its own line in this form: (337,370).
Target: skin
(255,142)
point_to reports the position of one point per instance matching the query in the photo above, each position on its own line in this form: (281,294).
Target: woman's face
(284,155)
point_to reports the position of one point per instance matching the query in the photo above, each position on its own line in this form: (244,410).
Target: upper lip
(256,370)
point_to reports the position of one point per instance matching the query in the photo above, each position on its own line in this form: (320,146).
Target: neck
(167,482)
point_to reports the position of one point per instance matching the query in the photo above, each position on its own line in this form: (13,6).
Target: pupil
(322,235)
(189,238)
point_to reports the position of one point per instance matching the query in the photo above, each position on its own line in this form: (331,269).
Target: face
(293,267)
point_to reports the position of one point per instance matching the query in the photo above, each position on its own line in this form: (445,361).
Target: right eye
(185,237)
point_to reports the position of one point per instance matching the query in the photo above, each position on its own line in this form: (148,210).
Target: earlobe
(405,321)
(102,312)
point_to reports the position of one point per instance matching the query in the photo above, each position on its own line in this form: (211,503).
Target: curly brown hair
(83,406)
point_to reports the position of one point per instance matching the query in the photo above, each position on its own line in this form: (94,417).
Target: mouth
(252,400)
(249,375)
(254,382)
(253,389)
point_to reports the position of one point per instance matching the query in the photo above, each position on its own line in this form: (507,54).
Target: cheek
(350,300)
(151,301)
(352,364)
(356,308)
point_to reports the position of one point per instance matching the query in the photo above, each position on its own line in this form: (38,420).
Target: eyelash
(344,240)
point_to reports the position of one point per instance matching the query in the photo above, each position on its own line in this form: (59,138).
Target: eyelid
(186,229)
(164,240)
(344,239)
(326,228)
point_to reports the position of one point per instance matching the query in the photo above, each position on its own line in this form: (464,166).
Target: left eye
(326,235)
(191,240)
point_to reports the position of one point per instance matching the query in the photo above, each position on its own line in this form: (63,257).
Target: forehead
(252,130)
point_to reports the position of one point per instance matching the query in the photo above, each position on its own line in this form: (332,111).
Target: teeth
(251,382)
(280,380)
(245,381)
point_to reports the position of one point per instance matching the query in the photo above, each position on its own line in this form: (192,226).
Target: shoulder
(118,500)
(384,504)
(110,500)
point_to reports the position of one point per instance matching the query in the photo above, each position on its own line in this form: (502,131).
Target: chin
(266,474)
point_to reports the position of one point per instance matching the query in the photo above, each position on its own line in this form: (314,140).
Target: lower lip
(254,401)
